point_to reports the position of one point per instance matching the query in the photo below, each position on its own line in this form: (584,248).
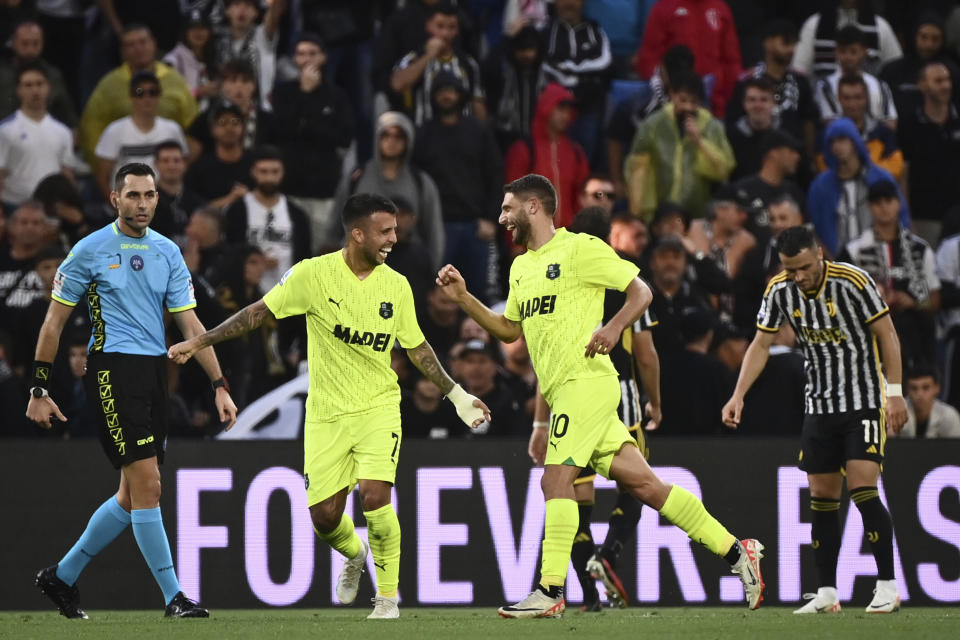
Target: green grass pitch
(459,623)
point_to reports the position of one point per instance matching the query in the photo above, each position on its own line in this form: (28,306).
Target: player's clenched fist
(451,283)
(182,351)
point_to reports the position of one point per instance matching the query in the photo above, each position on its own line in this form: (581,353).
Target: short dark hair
(403,205)
(882,190)
(166,145)
(135,26)
(677,60)
(687,82)
(444,6)
(923,370)
(932,62)
(852,80)
(33,65)
(132,169)
(265,152)
(238,67)
(763,84)
(851,35)
(781,28)
(792,241)
(361,205)
(52,251)
(536,186)
(594,221)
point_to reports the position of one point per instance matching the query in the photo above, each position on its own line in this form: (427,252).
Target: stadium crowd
(703,128)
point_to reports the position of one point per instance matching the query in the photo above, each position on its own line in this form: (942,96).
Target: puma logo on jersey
(542,305)
(335,302)
(377,341)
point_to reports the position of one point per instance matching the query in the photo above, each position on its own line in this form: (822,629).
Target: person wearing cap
(314,128)
(551,152)
(678,154)
(780,155)
(193,57)
(111,98)
(722,235)
(747,132)
(881,140)
(133,138)
(477,366)
(927,42)
(904,267)
(415,73)
(222,174)
(460,153)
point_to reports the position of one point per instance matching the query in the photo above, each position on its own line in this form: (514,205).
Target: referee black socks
(825,531)
(878,528)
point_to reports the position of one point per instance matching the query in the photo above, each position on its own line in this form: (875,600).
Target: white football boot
(349,580)
(885,598)
(385,608)
(748,569)
(825,600)
(536,605)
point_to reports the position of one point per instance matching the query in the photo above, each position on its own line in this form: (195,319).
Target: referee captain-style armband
(41,374)
(463,403)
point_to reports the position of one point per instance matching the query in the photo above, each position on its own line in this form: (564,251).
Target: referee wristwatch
(221,382)
(39,392)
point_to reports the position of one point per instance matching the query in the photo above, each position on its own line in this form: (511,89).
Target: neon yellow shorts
(337,454)
(585,429)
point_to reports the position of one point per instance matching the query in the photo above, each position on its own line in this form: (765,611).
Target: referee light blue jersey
(127,283)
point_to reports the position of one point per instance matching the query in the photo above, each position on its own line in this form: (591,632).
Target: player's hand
(182,351)
(602,341)
(452,283)
(226,408)
(654,417)
(39,410)
(309,78)
(537,449)
(731,412)
(433,47)
(896,413)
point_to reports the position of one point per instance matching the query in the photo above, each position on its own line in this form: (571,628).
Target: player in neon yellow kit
(356,306)
(556,301)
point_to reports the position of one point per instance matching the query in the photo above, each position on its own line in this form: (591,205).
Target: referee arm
(39,410)
(191,327)
(753,363)
(498,325)
(896,407)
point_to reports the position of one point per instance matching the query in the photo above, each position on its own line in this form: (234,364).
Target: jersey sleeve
(408,329)
(293,295)
(73,277)
(770,316)
(873,307)
(645,322)
(180,295)
(511,310)
(108,146)
(600,266)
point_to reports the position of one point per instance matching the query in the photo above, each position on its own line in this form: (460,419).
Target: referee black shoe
(183,607)
(66,597)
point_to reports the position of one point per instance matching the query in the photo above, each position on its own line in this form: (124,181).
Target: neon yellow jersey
(351,327)
(556,293)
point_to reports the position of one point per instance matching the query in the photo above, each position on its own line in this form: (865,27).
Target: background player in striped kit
(839,317)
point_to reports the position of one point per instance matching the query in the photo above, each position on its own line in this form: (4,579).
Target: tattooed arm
(424,359)
(243,321)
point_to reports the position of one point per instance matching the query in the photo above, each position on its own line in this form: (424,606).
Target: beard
(269,188)
(521,233)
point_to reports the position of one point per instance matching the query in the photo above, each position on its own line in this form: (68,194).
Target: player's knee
(325,517)
(373,498)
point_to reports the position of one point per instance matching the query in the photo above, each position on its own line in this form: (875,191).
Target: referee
(839,317)
(128,275)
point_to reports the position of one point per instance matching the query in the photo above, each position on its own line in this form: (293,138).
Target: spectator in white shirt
(134,138)
(32,144)
(928,417)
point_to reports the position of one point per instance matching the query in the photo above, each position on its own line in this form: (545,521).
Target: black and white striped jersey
(621,356)
(833,329)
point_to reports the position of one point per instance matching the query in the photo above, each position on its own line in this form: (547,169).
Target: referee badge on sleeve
(386,310)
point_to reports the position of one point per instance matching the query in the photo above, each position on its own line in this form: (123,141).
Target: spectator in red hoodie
(551,152)
(706,26)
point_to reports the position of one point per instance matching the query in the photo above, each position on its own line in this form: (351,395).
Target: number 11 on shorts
(871,431)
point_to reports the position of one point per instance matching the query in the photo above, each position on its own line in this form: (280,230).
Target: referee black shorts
(829,440)
(127,395)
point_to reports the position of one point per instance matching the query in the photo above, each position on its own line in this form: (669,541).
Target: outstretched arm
(191,327)
(498,325)
(471,409)
(243,321)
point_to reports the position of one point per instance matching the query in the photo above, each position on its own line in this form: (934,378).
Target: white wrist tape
(894,390)
(463,403)
(540,424)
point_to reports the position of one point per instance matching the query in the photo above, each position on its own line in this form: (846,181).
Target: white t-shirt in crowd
(30,151)
(122,141)
(272,231)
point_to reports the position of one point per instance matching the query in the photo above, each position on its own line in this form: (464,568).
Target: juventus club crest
(386,310)
(553,271)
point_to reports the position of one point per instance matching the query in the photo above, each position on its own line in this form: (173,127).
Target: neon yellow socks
(685,510)
(559,530)
(344,539)
(383,533)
